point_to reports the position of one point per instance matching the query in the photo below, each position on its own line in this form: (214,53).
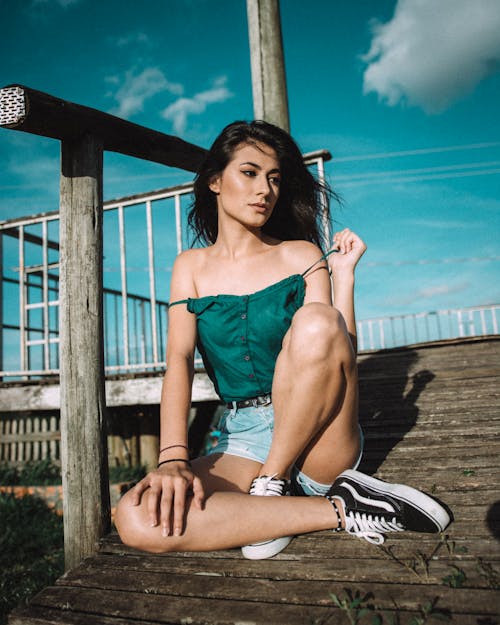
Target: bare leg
(230,518)
(315,398)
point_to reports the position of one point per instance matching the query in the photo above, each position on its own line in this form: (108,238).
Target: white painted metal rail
(423,327)
(142,236)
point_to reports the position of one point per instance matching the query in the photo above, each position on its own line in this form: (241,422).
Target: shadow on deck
(431,419)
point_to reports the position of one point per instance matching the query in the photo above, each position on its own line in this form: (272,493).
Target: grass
(31,535)
(31,549)
(46,473)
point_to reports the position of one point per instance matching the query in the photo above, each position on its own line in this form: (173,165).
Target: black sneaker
(267,487)
(373,507)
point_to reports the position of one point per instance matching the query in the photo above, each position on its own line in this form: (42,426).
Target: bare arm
(350,249)
(172,480)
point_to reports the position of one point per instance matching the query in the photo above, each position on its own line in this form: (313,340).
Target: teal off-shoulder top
(240,336)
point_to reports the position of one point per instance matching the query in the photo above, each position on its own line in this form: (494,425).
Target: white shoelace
(267,486)
(371,528)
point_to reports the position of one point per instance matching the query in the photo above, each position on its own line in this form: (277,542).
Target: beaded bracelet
(174,460)
(171,447)
(339,527)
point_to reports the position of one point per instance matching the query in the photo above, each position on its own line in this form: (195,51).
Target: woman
(258,302)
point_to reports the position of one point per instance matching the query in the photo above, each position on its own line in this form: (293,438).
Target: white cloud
(137,88)
(428,293)
(436,224)
(178,111)
(134,38)
(442,289)
(433,52)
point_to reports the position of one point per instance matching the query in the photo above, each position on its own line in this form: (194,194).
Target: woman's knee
(315,329)
(127,521)
(134,528)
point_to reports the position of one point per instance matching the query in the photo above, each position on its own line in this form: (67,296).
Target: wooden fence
(34,436)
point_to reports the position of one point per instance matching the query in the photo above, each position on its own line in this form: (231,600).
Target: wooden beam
(22,108)
(83,424)
(126,392)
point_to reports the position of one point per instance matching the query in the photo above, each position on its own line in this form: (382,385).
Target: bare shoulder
(300,255)
(185,268)
(190,260)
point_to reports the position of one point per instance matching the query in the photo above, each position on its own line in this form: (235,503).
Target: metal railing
(424,327)
(142,236)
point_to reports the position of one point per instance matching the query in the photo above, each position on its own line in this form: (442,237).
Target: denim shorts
(247,433)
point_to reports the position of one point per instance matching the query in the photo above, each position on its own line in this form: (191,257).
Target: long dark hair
(303,200)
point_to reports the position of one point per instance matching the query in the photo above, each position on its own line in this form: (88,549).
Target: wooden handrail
(35,112)
(85,134)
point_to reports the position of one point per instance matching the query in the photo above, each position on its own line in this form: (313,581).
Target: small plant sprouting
(353,604)
(356,607)
(420,562)
(488,573)
(456,578)
(430,610)
(469,472)
(451,546)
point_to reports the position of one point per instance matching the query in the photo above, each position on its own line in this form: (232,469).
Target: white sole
(267,549)
(427,505)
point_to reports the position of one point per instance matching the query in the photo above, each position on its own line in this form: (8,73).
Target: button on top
(247,357)
(244,316)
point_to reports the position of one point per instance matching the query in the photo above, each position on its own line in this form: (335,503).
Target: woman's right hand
(169,486)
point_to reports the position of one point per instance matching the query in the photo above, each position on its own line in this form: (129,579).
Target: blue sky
(405,95)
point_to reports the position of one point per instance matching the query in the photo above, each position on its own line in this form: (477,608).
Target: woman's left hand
(350,249)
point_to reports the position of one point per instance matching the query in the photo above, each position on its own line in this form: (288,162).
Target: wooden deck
(431,419)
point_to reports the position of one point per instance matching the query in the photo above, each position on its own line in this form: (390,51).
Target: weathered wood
(216,600)
(300,591)
(267,61)
(22,108)
(452,452)
(115,572)
(305,548)
(83,435)
(36,616)
(47,616)
(133,391)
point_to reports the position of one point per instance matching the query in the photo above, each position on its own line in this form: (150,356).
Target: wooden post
(1,304)
(83,424)
(270,100)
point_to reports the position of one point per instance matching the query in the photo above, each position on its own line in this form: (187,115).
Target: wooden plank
(115,572)
(308,546)
(28,437)
(131,392)
(34,615)
(177,610)
(212,585)
(44,616)
(214,599)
